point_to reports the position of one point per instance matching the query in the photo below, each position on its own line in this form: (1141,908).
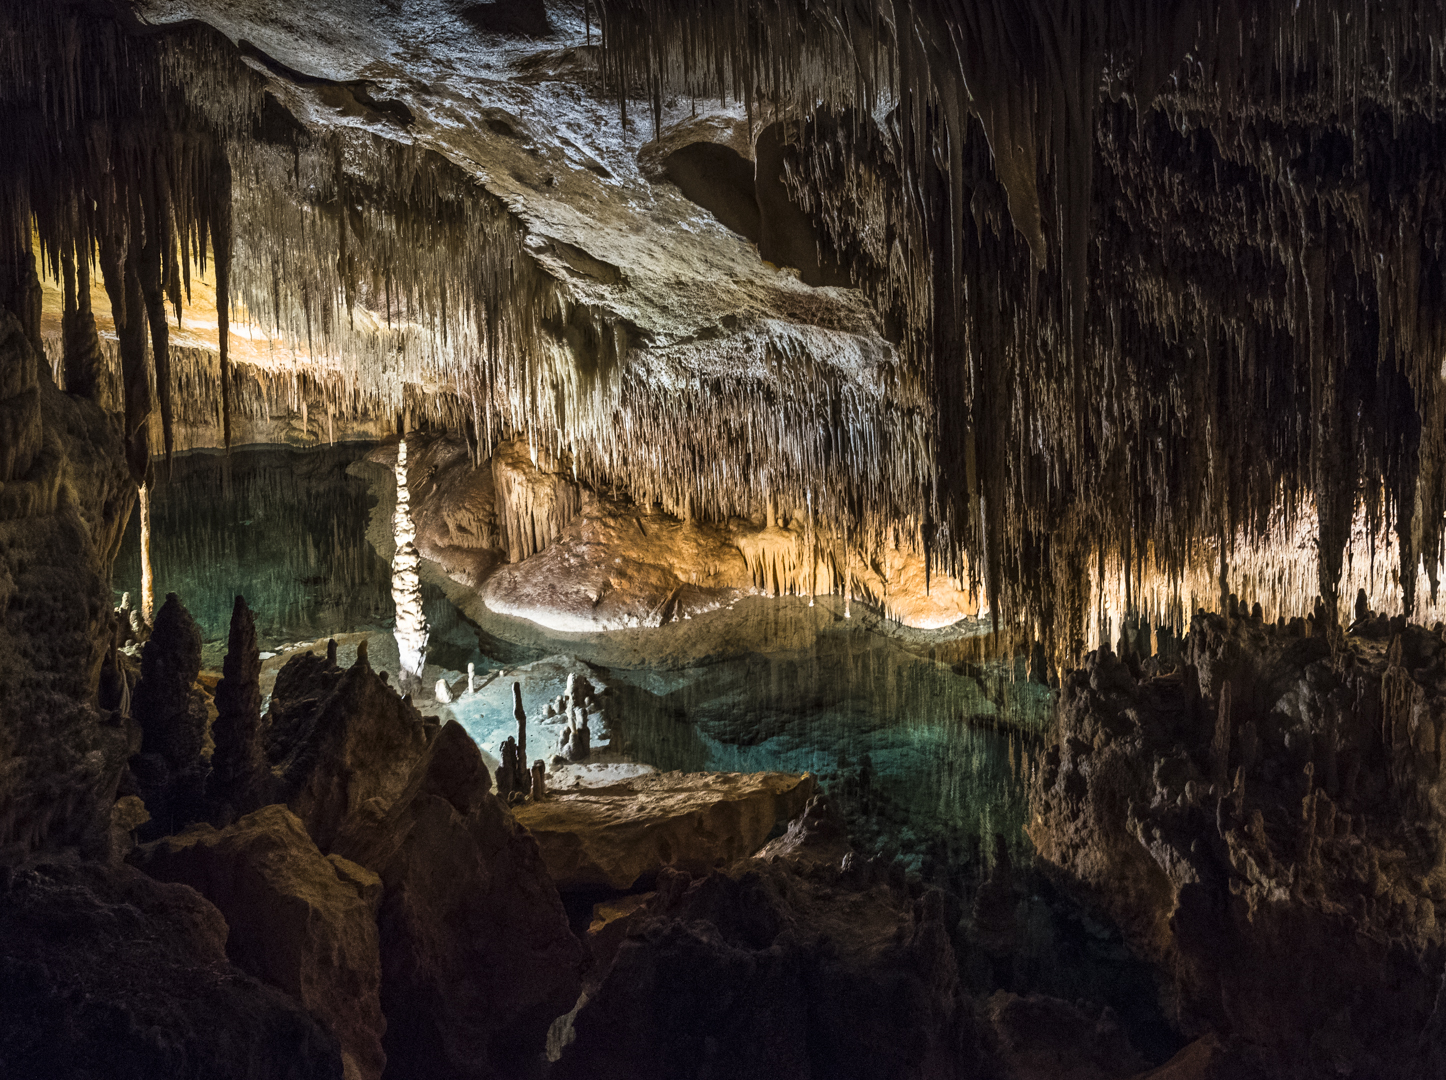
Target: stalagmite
(411,622)
(148,583)
(471,678)
(520,715)
(539,780)
(442,693)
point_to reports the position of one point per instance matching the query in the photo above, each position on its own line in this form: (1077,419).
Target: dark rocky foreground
(1264,824)
(1253,827)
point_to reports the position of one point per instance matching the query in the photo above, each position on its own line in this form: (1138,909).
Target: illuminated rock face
(411,628)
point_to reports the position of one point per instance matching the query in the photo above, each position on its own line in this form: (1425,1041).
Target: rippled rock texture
(534,542)
(1266,824)
(64,499)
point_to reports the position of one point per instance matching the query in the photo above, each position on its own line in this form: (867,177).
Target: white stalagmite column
(411,628)
(148,583)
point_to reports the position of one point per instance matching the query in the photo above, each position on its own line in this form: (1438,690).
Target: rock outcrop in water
(1265,824)
(618,835)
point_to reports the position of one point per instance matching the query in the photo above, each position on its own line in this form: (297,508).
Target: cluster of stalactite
(1179,266)
(116,158)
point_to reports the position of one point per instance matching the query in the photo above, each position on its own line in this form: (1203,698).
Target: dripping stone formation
(1083,359)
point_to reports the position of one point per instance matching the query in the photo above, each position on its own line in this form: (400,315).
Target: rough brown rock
(618,835)
(238,765)
(1272,903)
(105,972)
(338,739)
(779,968)
(297,920)
(173,716)
(477,957)
(64,501)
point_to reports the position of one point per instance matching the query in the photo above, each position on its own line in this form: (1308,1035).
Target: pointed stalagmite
(520,715)
(236,785)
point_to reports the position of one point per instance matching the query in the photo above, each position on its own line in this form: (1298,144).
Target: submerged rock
(299,921)
(615,836)
(477,957)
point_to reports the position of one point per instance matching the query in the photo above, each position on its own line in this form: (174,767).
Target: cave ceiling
(1033,286)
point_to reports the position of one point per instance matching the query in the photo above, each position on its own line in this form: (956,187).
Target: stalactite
(1117,245)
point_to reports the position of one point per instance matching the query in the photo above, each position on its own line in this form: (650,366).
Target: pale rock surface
(299,921)
(614,836)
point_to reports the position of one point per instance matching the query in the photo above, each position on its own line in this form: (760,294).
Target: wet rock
(295,921)
(615,836)
(106,972)
(339,739)
(477,957)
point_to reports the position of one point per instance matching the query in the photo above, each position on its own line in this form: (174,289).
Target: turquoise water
(284,528)
(904,739)
(923,746)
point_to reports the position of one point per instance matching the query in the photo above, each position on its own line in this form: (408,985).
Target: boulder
(298,920)
(338,739)
(776,968)
(107,972)
(618,835)
(477,956)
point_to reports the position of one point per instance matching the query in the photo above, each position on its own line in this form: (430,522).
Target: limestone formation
(169,767)
(1269,902)
(520,715)
(239,779)
(477,957)
(294,920)
(539,781)
(338,739)
(624,834)
(110,973)
(776,968)
(411,621)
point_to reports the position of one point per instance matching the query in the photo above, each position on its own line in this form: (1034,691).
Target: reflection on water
(287,530)
(924,757)
(911,741)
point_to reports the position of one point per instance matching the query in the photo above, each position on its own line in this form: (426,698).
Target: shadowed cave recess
(657,539)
